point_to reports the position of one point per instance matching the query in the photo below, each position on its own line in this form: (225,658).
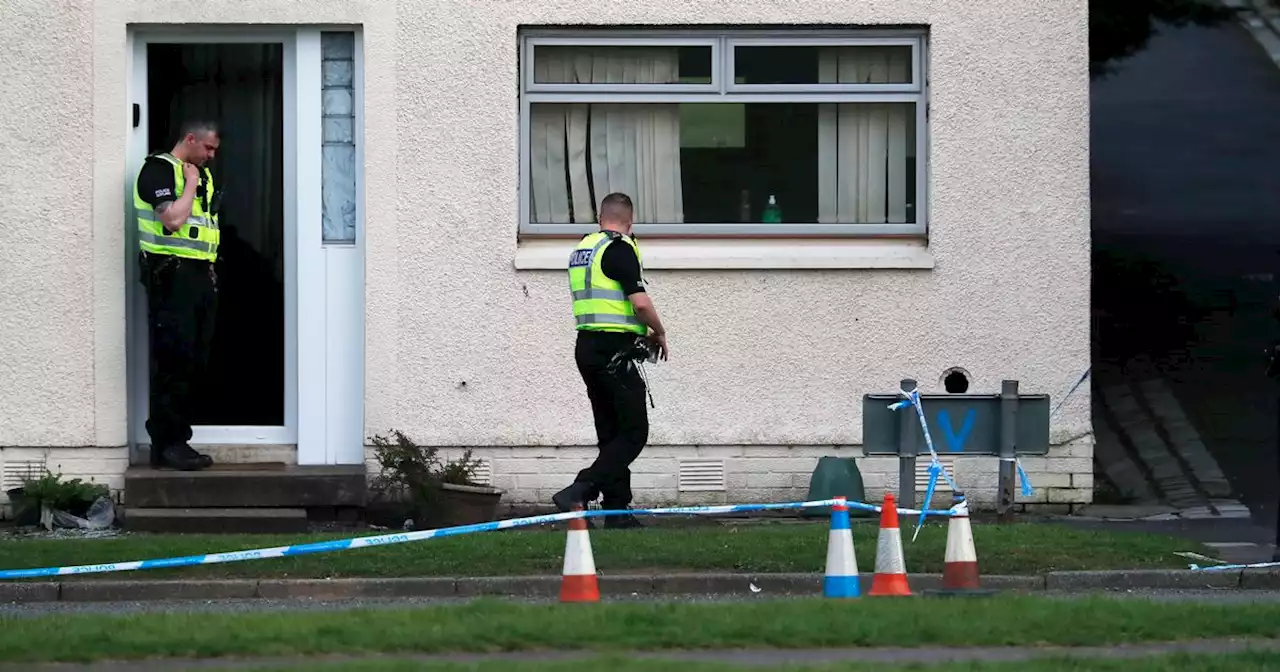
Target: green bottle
(772,213)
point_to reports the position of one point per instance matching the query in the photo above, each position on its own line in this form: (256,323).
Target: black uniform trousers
(621,417)
(181,303)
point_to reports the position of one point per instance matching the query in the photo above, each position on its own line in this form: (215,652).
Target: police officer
(612,310)
(174,199)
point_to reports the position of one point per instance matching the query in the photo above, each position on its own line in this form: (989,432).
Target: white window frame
(722,89)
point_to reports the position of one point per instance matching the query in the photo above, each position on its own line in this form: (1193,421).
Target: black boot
(183,458)
(576,493)
(623,521)
(205,460)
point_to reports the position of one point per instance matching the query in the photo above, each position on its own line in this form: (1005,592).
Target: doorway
(240,87)
(287,361)
(240,82)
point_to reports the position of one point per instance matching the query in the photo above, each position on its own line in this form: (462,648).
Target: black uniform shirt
(621,264)
(156,184)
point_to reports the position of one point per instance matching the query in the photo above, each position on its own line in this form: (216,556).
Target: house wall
(768,365)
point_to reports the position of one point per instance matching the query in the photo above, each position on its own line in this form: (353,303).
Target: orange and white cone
(960,571)
(578,581)
(890,578)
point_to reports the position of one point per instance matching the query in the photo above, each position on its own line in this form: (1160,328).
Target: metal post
(908,433)
(1008,446)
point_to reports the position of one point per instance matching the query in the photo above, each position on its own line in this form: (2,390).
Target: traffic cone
(891,569)
(841,580)
(960,571)
(578,581)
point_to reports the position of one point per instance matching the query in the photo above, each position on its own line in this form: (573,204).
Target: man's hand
(191,173)
(660,339)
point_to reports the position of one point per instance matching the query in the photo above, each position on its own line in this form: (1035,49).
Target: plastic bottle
(772,213)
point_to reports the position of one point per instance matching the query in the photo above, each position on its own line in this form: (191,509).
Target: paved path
(740,658)
(1186,227)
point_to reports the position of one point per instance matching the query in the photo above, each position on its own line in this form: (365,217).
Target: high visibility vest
(599,304)
(196,239)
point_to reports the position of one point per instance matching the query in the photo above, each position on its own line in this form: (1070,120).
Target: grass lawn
(1241,662)
(1002,549)
(490,625)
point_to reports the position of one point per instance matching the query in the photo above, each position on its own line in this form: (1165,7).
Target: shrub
(415,472)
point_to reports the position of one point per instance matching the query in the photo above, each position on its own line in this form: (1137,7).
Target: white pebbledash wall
(782,473)
(768,366)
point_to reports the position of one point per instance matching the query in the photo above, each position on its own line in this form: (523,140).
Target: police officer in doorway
(612,311)
(176,208)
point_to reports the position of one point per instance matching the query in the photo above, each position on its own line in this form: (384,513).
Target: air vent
(484,472)
(17,472)
(701,475)
(922,473)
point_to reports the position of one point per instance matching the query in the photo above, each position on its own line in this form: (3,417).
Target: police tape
(1228,568)
(418,535)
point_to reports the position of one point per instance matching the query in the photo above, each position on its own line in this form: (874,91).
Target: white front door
(287,352)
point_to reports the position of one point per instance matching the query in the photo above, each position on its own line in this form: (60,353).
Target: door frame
(309,281)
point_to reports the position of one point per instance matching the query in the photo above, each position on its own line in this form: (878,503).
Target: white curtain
(581,152)
(863,148)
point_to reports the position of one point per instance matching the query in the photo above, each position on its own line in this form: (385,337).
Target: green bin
(835,477)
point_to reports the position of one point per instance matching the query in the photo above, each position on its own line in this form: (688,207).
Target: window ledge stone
(722,254)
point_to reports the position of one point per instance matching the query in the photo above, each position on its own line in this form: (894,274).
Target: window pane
(822,65)
(338,142)
(718,163)
(621,65)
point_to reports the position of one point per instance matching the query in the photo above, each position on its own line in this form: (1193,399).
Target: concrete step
(246,486)
(216,521)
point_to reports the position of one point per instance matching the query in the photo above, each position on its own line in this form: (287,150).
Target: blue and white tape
(1228,568)
(935,467)
(418,535)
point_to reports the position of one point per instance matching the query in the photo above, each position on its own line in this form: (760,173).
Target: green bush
(74,496)
(413,472)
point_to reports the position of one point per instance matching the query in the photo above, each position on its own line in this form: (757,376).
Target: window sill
(718,254)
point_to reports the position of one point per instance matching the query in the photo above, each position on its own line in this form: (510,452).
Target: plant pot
(468,504)
(18,499)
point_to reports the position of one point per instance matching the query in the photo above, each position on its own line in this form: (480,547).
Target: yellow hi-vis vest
(599,304)
(196,239)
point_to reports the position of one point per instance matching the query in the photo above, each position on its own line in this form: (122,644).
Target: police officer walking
(177,220)
(612,311)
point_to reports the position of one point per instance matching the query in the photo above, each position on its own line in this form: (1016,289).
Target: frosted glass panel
(338,172)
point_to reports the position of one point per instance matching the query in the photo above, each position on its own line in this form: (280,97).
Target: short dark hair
(615,206)
(197,127)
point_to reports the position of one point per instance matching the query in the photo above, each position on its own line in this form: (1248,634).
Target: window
(730,133)
(338,140)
